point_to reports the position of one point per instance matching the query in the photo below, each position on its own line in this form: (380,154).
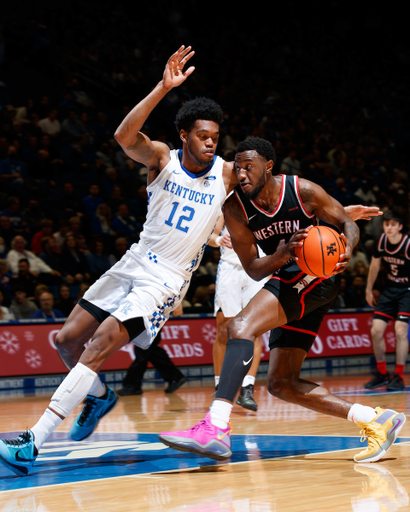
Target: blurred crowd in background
(72,203)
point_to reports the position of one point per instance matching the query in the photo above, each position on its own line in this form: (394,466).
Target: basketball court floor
(285,457)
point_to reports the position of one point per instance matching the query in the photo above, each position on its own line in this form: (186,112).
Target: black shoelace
(23,438)
(89,406)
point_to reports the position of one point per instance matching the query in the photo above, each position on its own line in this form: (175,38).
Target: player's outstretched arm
(326,208)
(139,147)
(360,212)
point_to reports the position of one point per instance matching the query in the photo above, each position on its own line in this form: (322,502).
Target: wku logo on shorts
(300,285)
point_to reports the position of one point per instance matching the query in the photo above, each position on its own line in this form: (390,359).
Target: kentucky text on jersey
(186,193)
(277,228)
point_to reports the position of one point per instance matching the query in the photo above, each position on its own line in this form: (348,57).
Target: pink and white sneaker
(203,438)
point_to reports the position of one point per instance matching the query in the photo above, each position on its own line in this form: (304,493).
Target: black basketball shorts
(394,304)
(305,300)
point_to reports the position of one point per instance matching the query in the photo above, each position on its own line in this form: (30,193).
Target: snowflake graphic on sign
(209,332)
(33,358)
(9,342)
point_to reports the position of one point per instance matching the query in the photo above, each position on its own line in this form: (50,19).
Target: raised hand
(174,73)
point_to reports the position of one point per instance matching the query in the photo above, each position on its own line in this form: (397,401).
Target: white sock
(44,427)
(361,413)
(220,413)
(216,380)
(248,379)
(98,389)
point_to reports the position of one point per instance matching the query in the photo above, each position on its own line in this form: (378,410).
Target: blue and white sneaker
(19,454)
(94,409)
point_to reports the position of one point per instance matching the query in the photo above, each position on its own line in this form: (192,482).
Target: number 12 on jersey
(187,218)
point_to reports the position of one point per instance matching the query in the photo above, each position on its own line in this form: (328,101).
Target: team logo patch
(303,283)
(102,456)
(208,179)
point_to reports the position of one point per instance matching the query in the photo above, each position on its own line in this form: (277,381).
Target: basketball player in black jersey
(392,250)
(276,213)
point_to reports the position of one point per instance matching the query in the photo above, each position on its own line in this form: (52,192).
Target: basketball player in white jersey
(234,289)
(133,300)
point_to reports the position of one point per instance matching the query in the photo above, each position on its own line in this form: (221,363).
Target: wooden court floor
(286,458)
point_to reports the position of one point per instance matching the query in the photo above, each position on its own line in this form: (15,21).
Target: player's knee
(237,328)
(279,388)
(63,341)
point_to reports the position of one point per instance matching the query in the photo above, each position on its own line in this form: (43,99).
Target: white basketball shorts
(234,289)
(141,284)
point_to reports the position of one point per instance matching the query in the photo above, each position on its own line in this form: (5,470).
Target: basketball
(320,251)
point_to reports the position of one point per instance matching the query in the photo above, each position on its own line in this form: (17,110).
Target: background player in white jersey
(392,250)
(134,298)
(234,289)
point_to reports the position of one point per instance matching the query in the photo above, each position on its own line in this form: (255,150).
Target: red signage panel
(29,349)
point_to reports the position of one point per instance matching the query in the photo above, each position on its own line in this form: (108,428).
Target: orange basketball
(320,251)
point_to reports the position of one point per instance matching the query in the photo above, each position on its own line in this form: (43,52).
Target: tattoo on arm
(141,147)
(235,211)
(306,194)
(351,232)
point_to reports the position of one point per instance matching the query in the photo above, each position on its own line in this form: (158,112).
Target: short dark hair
(262,146)
(392,215)
(199,108)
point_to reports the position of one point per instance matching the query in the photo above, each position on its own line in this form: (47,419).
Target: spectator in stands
(51,255)
(45,232)
(25,278)
(72,126)
(13,212)
(139,204)
(12,169)
(33,215)
(5,313)
(21,306)
(357,255)
(93,199)
(98,261)
(75,227)
(126,225)
(64,301)
(101,221)
(5,276)
(116,198)
(211,266)
(74,261)
(47,310)
(18,252)
(50,124)
(290,164)
(7,232)
(339,302)
(40,288)
(121,246)
(3,248)
(60,235)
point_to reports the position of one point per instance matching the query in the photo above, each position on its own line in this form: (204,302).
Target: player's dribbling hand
(344,258)
(174,73)
(296,240)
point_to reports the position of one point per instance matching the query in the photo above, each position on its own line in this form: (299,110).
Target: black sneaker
(396,383)
(175,384)
(245,398)
(128,391)
(377,381)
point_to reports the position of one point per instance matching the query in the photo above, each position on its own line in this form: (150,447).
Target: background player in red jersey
(392,249)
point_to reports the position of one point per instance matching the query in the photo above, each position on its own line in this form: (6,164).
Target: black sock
(237,361)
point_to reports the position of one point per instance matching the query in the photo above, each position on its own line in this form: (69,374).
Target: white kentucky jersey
(183,209)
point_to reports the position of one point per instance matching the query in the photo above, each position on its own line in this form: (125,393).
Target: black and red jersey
(395,258)
(274,229)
